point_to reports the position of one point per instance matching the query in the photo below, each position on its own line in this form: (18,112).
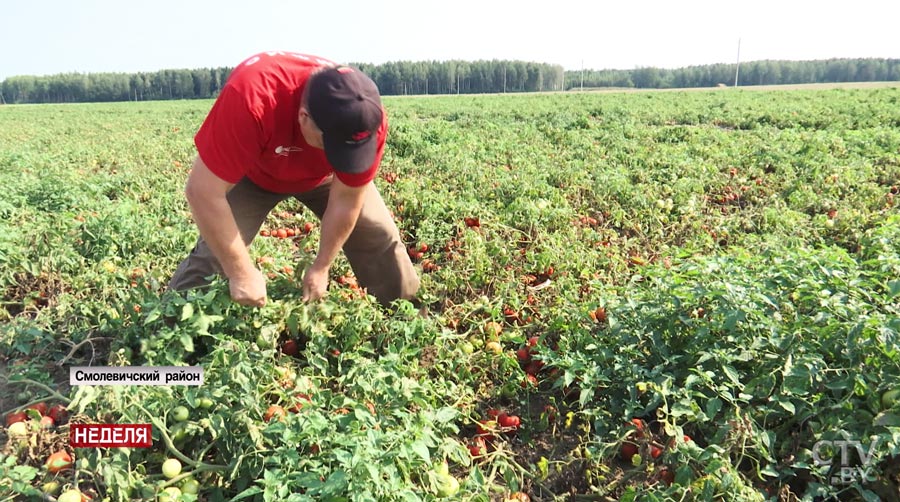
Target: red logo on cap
(361,135)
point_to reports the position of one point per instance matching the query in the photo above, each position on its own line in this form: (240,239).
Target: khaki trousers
(374,249)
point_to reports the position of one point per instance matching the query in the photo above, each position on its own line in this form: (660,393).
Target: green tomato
(171,468)
(447,485)
(508,391)
(18,429)
(178,432)
(51,488)
(467,347)
(170,494)
(180,413)
(205,403)
(191,486)
(263,342)
(70,496)
(890,398)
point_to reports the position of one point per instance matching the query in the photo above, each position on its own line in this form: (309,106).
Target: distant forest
(449,77)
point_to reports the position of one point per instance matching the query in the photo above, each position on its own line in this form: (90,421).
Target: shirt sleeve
(230,140)
(360,179)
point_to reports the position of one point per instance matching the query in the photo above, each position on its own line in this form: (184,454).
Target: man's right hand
(206,195)
(248,288)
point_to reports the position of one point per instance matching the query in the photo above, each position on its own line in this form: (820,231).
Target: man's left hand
(315,283)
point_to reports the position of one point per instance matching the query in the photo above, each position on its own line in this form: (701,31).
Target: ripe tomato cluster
(641,442)
(284,233)
(277,412)
(491,429)
(21,424)
(417,254)
(49,417)
(531,366)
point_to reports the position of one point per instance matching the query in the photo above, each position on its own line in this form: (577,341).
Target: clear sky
(40,37)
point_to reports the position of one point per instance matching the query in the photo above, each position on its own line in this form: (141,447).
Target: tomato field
(641,296)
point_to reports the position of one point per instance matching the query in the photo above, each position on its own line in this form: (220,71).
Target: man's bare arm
(206,193)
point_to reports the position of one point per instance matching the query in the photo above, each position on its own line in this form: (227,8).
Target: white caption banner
(136,375)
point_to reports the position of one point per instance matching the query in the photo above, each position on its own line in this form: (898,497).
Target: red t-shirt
(253,130)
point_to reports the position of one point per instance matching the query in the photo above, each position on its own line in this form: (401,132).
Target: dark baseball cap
(345,105)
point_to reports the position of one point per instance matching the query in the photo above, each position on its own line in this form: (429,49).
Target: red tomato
(599,314)
(281,233)
(534,367)
(290,348)
(308,227)
(493,413)
(509,421)
(302,400)
(640,425)
(274,411)
(18,416)
(486,427)
(533,341)
(550,411)
(667,476)
(47,422)
(523,355)
(59,461)
(529,381)
(628,450)
(655,451)
(264,233)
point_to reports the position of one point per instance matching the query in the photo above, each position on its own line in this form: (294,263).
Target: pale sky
(41,37)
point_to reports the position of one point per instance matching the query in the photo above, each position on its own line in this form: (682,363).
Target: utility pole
(737,68)
(582,74)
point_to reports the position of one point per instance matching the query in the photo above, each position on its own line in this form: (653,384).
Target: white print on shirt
(285,150)
(304,57)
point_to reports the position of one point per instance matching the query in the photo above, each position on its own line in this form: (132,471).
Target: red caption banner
(110,435)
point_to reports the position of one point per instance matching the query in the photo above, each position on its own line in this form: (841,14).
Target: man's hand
(344,205)
(315,283)
(248,288)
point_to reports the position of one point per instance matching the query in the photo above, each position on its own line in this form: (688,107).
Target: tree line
(394,78)
(449,77)
(765,72)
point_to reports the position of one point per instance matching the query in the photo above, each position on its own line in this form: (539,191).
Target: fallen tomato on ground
(59,461)
(274,411)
